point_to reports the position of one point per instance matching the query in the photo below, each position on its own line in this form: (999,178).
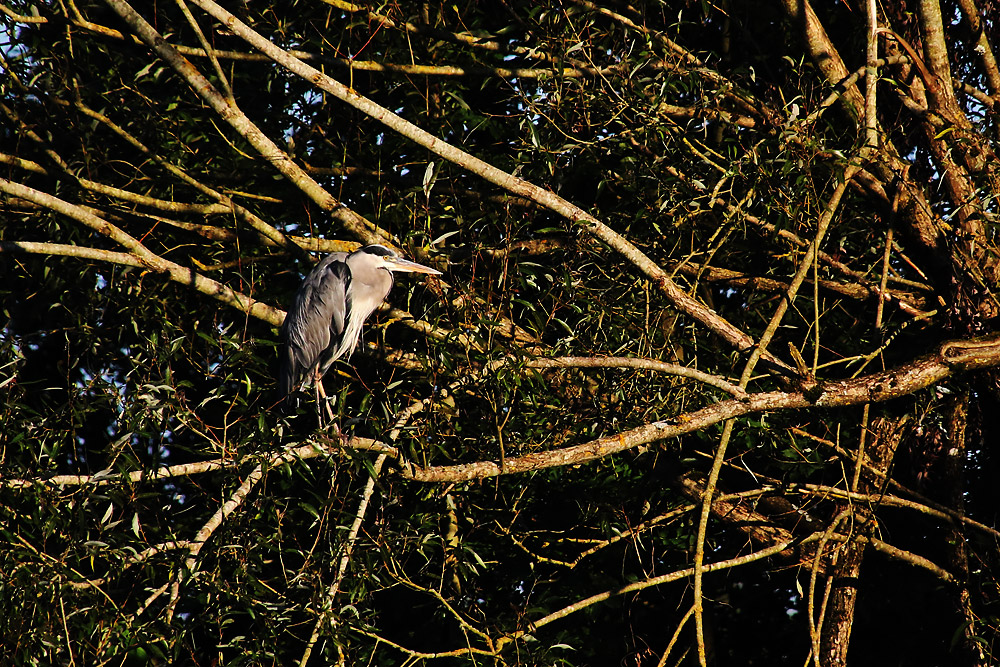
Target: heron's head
(387,259)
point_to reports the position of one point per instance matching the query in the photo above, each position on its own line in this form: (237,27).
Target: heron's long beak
(401,265)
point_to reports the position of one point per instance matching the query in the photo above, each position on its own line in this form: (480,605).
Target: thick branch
(951,357)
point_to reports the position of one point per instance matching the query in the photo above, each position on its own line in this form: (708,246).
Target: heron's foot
(335,432)
(325,406)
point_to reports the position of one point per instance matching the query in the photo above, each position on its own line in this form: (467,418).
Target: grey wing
(315,321)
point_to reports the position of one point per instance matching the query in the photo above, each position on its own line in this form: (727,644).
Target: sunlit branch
(926,505)
(430,330)
(266,231)
(21,18)
(951,357)
(21,163)
(61,249)
(123,195)
(326,615)
(367,65)
(907,302)
(902,555)
(638,364)
(301,452)
(944,514)
(690,113)
(279,159)
(645,526)
(423,655)
(665,579)
(225,234)
(464,39)
(407,69)
(659,278)
(174,271)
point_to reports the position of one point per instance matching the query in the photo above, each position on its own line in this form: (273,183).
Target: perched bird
(324,322)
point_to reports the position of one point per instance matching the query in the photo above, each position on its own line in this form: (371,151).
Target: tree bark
(969,652)
(845,564)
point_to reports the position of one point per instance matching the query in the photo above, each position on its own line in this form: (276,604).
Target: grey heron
(324,322)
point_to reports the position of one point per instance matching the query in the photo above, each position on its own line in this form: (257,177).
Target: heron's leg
(325,403)
(317,388)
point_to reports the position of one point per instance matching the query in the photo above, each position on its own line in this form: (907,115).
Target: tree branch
(150,260)
(281,161)
(509,182)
